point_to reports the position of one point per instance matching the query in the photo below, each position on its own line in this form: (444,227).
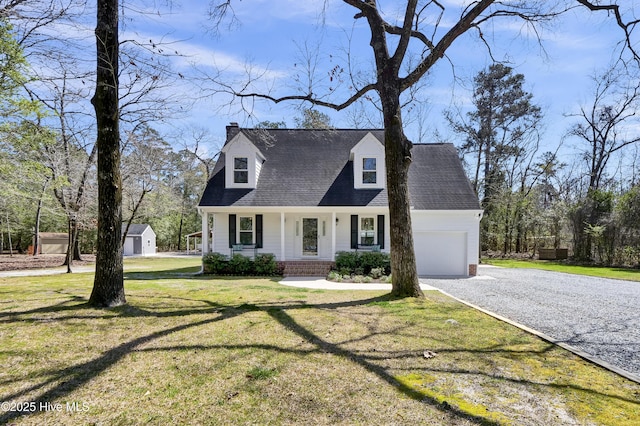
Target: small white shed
(52,242)
(140,240)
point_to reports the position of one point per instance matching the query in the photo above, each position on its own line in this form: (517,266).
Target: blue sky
(271,33)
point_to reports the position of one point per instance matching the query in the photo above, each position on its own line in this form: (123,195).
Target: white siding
(343,232)
(148,242)
(271,234)
(221,233)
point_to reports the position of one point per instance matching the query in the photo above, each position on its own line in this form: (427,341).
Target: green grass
(203,350)
(594,271)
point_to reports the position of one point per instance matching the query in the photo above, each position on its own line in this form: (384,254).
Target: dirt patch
(23,261)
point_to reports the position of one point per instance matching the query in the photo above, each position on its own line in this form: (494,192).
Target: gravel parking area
(600,317)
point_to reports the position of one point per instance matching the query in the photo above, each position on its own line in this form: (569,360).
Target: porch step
(306,268)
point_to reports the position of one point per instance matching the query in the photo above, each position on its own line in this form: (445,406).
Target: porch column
(282,239)
(205,233)
(333,236)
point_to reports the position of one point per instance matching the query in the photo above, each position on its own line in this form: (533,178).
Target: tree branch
(628,27)
(461,27)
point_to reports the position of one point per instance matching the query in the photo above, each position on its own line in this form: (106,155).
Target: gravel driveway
(598,316)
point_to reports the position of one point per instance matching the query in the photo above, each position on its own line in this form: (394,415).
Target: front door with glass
(310,237)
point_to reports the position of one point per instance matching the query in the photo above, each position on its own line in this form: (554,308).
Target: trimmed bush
(218,264)
(375,259)
(215,263)
(265,265)
(362,263)
(347,260)
(241,265)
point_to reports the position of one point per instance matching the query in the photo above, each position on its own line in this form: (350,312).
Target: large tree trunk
(397,161)
(108,286)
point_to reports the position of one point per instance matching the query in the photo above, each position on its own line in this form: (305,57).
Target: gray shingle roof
(312,168)
(135,229)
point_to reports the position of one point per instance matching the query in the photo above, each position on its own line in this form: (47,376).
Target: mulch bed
(23,261)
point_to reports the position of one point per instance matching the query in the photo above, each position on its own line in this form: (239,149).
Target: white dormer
(368,163)
(243,162)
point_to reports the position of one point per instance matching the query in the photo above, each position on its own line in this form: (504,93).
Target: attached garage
(441,253)
(446,242)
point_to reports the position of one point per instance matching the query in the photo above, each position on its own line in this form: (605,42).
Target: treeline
(48,132)
(583,194)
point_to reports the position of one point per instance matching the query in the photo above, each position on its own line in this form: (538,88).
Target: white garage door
(441,253)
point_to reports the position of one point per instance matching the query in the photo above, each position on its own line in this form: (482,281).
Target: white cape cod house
(304,195)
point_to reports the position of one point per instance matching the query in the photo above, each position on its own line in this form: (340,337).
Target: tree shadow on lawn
(58,383)
(188,271)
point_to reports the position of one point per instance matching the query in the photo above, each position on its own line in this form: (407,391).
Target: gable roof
(311,168)
(135,229)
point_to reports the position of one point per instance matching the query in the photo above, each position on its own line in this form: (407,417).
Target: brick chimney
(232,130)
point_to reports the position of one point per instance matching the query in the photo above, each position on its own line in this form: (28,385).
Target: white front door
(310,237)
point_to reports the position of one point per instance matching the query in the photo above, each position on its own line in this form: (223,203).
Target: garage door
(441,253)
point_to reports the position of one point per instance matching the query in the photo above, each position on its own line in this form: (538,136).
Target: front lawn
(204,350)
(559,266)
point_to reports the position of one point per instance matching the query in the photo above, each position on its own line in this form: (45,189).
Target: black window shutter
(258,231)
(232,230)
(381,230)
(354,231)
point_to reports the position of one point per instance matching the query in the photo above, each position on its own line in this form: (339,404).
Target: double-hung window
(367,231)
(369,170)
(240,170)
(245,230)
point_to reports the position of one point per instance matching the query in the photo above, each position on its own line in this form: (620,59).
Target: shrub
(215,263)
(218,264)
(265,265)
(334,275)
(362,263)
(376,272)
(375,259)
(241,265)
(347,260)
(345,271)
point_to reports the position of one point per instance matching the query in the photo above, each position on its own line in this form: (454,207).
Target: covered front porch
(302,234)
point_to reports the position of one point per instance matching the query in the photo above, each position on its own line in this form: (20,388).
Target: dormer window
(369,171)
(243,162)
(240,170)
(368,163)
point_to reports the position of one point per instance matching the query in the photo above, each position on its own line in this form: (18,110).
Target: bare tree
(421,24)
(71,160)
(606,128)
(606,124)
(145,160)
